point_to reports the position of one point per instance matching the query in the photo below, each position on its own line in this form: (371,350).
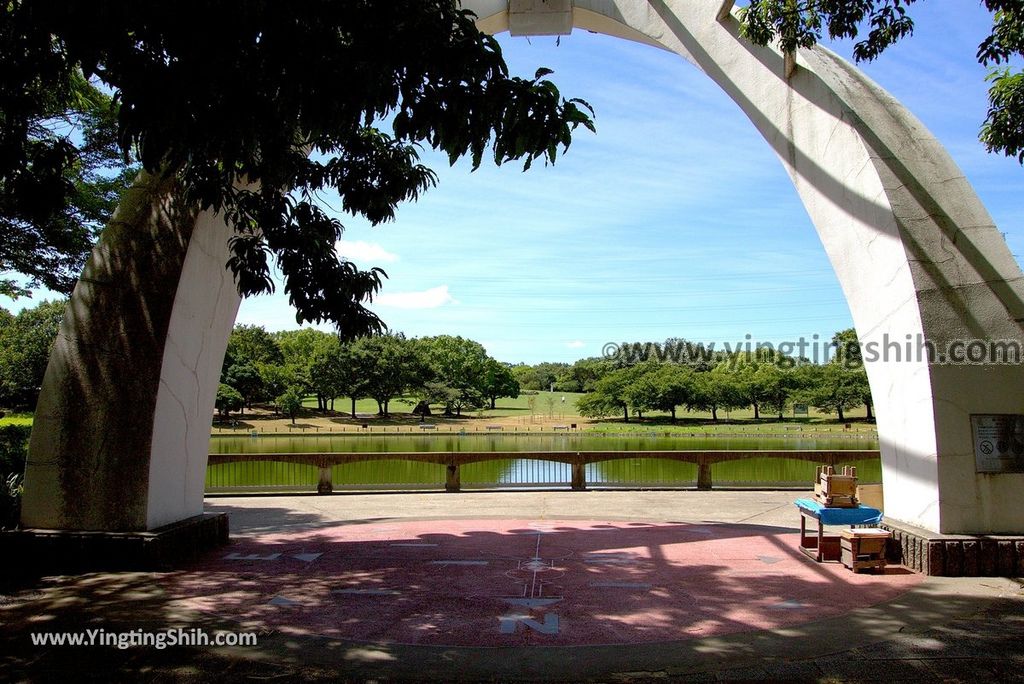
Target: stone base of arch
(955,555)
(48,552)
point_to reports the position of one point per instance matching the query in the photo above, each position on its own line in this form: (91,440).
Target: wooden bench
(826,547)
(428,426)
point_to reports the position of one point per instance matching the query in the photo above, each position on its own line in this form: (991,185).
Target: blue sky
(674,220)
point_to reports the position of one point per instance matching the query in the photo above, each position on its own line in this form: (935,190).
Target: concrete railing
(578,460)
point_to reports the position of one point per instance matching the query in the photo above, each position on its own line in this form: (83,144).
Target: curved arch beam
(121,431)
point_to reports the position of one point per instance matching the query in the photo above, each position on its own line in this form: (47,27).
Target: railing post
(325,486)
(453,478)
(703,473)
(579,476)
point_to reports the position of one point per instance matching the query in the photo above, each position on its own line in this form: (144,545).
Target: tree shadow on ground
(704,596)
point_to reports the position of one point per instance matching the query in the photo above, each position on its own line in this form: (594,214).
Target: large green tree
(298,347)
(257,109)
(776,386)
(390,365)
(457,369)
(350,375)
(252,344)
(326,373)
(831,388)
(228,399)
(584,374)
(245,378)
(802,23)
(290,402)
(498,381)
(612,392)
(715,390)
(663,388)
(849,356)
(62,171)
(278,378)
(25,344)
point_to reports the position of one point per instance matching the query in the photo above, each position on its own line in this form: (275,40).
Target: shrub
(10,501)
(13,449)
(13,452)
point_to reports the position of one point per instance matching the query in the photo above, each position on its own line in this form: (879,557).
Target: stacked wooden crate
(863,548)
(836,490)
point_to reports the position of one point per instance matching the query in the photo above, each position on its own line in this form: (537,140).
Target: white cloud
(364,253)
(576,344)
(424,299)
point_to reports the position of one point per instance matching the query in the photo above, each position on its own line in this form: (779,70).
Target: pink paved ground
(517,582)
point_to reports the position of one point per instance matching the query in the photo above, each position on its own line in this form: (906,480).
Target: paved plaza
(517,586)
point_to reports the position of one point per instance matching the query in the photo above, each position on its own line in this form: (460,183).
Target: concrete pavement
(257,514)
(944,629)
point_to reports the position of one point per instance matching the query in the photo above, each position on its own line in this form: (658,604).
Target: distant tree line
(456,374)
(764,380)
(285,367)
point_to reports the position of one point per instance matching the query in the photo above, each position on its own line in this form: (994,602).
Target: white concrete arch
(914,250)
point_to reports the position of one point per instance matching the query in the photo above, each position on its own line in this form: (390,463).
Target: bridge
(577,460)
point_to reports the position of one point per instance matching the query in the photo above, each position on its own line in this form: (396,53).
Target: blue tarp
(862,515)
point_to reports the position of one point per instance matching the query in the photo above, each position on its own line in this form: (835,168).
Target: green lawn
(545,404)
(562,406)
(16,419)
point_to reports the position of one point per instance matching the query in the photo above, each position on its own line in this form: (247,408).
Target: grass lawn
(15,418)
(555,408)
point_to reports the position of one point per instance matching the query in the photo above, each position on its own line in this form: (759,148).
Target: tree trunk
(332,404)
(757,413)
(353,407)
(493,399)
(386,402)
(714,413)
(625,412)
(841,417)
(673,414)
(380,407)
(867,405)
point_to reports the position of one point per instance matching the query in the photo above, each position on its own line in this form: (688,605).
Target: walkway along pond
(575,460)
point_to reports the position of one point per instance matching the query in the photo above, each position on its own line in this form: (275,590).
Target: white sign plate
(998,443)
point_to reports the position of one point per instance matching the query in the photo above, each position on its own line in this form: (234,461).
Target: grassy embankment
(15,419)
